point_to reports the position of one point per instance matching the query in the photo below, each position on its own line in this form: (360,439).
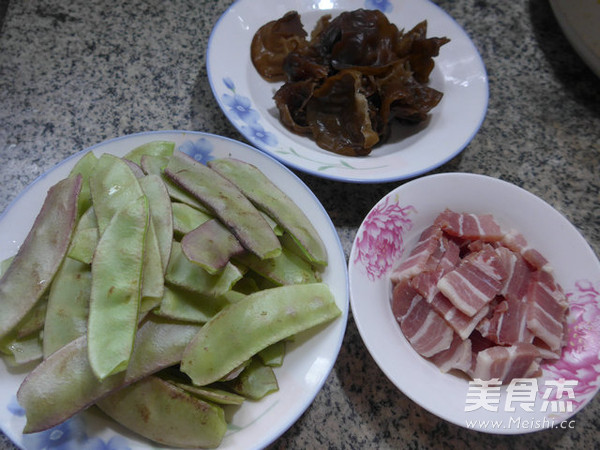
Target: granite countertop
(74,73)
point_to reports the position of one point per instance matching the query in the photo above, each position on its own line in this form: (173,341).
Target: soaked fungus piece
(359,38)
(291,100)
(402,97)
(338,115)
(272,43)
(305,64)
(420,50)
(355,74)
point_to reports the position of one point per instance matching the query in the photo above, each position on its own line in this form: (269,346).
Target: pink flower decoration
(381,242)
(581,355)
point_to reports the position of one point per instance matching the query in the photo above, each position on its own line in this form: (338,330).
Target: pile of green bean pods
(160,290)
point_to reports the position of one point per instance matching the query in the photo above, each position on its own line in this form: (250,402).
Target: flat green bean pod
(181,304)
(213,395)
(186,218)
(244,328)
(154,148)
(64,383)
(286,268)
(185,274)
(85,167)
(114,185)
(233,209)
(116,289)
(85,237)
(167,414)
(211,246)
(68,305)
(256,381)
(152,164)
(40,255)
(255,185)
(161,214)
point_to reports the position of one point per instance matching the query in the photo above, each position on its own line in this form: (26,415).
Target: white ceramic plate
(247,100)
(393,226)
(580,21)
(307,364)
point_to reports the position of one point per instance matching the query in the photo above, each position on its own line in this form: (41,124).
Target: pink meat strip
(475,282)
(494,314)
(462,324)
(429,242)
(505,363)
(427,332)
(516,242)
(508,323)
(458,356)
(518,274)
(446,258)
(470,226)
(425,283)
(547,305)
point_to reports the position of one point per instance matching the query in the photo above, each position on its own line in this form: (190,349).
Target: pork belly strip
(475,282)
(429,242)
(505,363)
(508,323)
(516,242)
(457,357)
(546,311)
(462,324)
(425,329)
(469,226)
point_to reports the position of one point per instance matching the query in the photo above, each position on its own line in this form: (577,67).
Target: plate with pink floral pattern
(390,231)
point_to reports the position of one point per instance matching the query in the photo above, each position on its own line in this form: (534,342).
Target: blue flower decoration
(68,435)
(256,132)
(229,83)
(384,6)
(241,108)
(200,150)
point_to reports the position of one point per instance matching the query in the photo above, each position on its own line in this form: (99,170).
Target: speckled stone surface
(77,72)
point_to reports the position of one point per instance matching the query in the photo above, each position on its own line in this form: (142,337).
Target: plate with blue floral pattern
(255,424)
(247,99)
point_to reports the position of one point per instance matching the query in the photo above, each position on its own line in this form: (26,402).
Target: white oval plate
(246,98)
(580,22)
(394,225)
(306,366)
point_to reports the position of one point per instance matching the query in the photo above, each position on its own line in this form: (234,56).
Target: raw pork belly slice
(459,356)
(518,274)
(506,363)
(516,242)
(547,310)
(462,324)
(427,332)
(469,226)
(442,261)
(475,282)
(429,242)
(508,324)
(471,298)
